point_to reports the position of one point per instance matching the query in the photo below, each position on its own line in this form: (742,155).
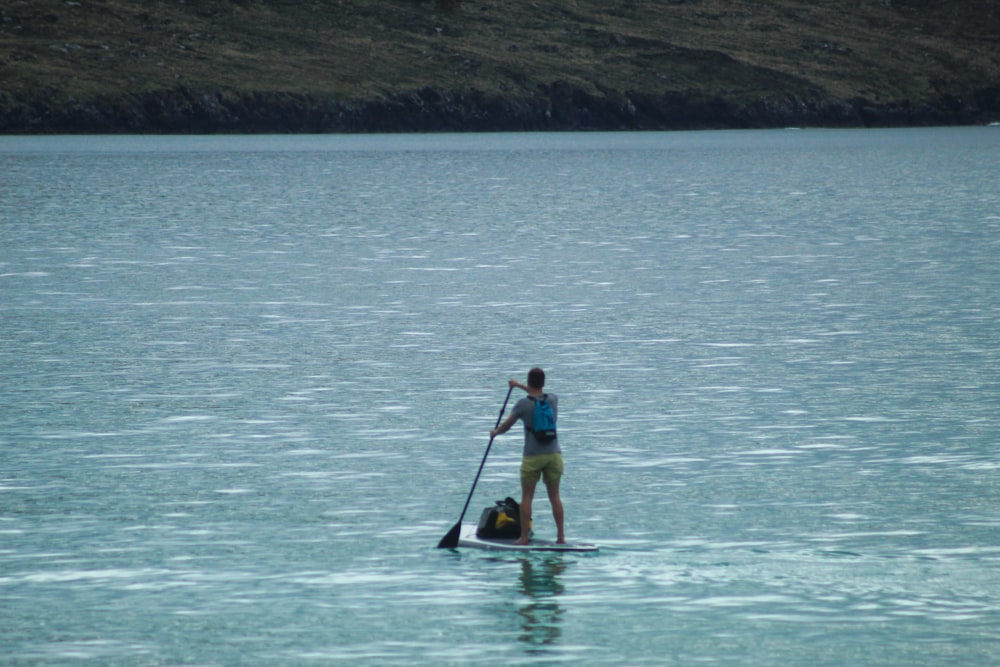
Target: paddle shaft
(450,540)
(503,408)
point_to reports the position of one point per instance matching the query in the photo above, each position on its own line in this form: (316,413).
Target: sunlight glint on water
(248,382)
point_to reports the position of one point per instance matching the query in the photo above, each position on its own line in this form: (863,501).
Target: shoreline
(559,108)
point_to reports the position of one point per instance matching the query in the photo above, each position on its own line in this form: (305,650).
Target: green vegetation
(355,65)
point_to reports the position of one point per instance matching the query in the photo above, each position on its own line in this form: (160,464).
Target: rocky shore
(554,108)
(411,66)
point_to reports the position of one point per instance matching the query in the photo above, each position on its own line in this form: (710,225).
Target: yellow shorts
(549,466)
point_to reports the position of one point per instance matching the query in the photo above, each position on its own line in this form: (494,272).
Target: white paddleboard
(469,539)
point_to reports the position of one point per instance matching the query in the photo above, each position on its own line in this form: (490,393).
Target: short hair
(536,378)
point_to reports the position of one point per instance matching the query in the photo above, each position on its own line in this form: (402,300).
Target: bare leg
(527,495)
(557,510)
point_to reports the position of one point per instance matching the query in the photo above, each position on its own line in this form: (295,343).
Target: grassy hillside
(355,65)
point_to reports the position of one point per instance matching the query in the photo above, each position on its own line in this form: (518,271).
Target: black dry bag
(503,520)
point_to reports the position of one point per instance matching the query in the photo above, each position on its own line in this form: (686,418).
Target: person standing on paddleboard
(542,458)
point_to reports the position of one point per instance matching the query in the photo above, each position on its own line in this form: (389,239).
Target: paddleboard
(469,539)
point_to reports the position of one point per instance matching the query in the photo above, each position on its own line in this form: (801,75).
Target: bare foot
(521,541)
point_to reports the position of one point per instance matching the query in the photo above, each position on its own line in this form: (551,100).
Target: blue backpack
(543,421)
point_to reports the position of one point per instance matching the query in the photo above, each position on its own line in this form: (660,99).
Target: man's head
(536,378)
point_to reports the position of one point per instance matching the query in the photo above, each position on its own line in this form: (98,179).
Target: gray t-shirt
(524,410)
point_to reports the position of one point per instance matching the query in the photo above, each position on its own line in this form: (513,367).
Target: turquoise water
(248,382)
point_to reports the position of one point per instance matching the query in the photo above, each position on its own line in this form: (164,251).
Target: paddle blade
(450,541)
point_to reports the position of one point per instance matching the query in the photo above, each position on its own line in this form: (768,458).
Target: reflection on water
(541,615)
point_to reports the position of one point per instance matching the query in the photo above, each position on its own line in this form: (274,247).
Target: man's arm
(512,419)
(504,427)
(515,383)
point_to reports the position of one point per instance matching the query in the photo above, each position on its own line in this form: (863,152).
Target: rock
(560,105)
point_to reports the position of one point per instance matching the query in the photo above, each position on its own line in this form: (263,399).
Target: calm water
(247,383)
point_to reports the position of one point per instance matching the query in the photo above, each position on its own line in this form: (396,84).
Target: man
(540,460)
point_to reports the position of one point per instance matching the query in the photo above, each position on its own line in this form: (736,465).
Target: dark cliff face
(412,65)
(561,107)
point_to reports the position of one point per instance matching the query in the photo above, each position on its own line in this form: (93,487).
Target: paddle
(450,541)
